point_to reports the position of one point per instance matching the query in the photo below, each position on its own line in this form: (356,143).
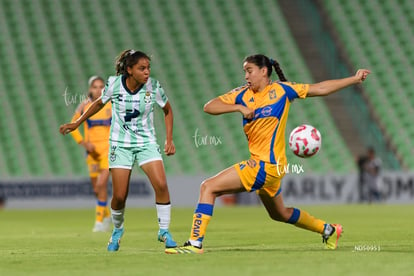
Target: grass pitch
(378,240)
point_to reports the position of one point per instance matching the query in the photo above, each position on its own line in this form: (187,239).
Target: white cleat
(102,226)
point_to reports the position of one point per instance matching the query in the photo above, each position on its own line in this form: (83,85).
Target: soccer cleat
(104,226)
(331,240)
(165,236)
(187,248)
(98,227)
(115,240)
(107,224)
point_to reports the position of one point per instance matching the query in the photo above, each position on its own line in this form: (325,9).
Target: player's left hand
(169,148)
(362,74)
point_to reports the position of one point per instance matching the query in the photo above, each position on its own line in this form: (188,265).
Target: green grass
(240,241)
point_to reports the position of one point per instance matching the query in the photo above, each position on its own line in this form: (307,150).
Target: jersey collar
(127,89)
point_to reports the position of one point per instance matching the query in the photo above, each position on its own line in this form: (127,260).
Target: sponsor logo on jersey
(266,111)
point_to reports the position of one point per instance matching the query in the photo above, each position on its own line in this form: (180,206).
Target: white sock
(118,218)
(164,215)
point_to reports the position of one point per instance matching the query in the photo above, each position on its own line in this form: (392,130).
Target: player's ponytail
(128,58)
(263,61)
(278,70)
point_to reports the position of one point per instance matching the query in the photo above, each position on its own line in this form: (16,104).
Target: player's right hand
(247,112)
(66,128)
(362,74)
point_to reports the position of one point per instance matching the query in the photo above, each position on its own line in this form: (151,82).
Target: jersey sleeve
(295,90)
(76,134)
(160,96)
(230,97)
(108,91)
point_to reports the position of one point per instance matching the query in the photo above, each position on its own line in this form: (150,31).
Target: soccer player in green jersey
(133,94)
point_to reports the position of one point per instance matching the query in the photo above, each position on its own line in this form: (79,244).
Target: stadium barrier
(395,188)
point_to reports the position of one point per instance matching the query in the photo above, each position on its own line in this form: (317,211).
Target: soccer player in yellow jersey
(264,105)
(96,143)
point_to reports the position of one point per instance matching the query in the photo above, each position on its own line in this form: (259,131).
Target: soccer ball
(305,141)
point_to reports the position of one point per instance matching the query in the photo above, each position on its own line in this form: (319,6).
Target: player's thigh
(156,173)
(102,180)
(150,160)
(226,181)
(120,182)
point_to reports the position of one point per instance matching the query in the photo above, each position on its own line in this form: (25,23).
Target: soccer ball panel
(305,141)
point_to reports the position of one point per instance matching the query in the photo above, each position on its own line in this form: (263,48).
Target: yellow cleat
(331,241)
(187,248)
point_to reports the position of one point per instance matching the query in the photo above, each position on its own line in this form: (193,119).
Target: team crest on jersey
(147,98)
(272,94)
(112,156)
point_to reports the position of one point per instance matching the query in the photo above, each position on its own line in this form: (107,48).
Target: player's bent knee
(277,217)
(206,186)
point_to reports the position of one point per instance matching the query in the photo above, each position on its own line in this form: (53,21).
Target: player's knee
(117,205)
(277,217)
(205,186)
(281,214)
(118,201)
(161,188)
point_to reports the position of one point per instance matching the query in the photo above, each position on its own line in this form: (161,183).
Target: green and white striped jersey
(132,111)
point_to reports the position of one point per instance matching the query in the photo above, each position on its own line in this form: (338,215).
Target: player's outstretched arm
(95,107)
(325,88)
(217,106)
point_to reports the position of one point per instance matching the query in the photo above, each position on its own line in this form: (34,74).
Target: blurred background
(49,49)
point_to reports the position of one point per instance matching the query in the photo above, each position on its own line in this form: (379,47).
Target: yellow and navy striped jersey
(97,127)
(265,132)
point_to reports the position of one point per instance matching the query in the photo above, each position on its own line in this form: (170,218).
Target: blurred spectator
(369,169)
(372,170)
(361,183)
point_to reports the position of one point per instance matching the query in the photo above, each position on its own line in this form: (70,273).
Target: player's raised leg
(300,218)
(225,182)
(156,175)
(120,185)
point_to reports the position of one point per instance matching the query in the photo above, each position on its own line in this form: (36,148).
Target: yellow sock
(201,218)
(198,230)
(303,219)
(107,212)
(100,210)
